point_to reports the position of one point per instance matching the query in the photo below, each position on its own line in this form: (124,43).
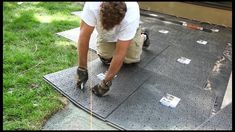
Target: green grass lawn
(31,49)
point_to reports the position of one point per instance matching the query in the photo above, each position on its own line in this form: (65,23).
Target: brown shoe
(105,61)
(145,31)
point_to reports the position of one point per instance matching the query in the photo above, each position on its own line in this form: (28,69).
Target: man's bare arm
(118,58)
(83,43)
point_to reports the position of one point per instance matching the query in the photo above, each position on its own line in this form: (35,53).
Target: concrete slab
(228,94)
(218,80)
(76,13)
(73,118)
(91,55)
(73,35)
(220,121)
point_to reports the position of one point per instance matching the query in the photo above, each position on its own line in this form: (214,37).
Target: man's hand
(83,46)
(102,88)
(82,74)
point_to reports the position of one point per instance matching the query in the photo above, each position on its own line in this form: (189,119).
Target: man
(119,39)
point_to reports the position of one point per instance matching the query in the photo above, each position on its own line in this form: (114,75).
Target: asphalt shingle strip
(65,82)
(194,73)
(143,111)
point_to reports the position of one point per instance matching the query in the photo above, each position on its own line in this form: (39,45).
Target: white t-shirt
(124,31)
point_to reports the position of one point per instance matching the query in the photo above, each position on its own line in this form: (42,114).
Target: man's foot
(145,32)
(105,61)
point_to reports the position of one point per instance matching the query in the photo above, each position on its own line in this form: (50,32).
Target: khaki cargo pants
(106,49)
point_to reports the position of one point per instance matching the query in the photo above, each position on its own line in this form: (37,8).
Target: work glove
(82,74)
(102,88)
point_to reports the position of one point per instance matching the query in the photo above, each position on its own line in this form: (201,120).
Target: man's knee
(131,60)
(105,50)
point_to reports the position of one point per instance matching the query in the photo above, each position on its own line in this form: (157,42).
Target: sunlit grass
(55,17)
(62,43)
(31,49)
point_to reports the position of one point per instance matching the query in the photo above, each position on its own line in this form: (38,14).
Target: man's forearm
(114,67)
(82,53)
(83,43)
(118,58)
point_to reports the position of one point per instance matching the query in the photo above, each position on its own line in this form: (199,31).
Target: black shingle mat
(157,45)
(133,101)
(214,47)
(160,41)
(176,31)
(64,81)
(156,48)
(220,121)
(186,38)
(142,110)
(194,73)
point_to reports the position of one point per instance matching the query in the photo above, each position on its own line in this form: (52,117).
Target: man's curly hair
(112,13)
